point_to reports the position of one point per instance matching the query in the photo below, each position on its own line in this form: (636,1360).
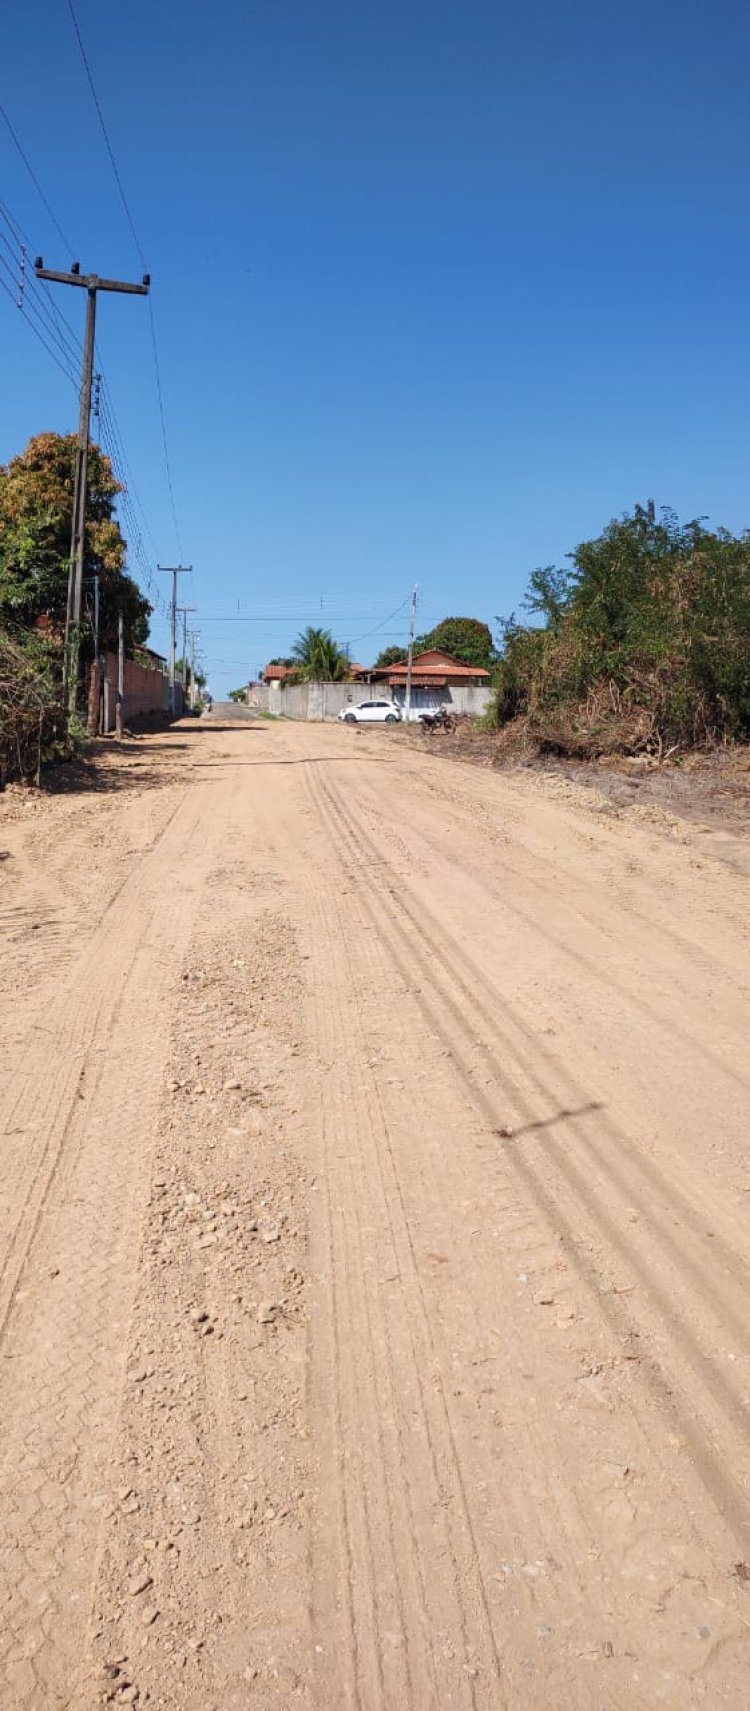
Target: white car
(371,712)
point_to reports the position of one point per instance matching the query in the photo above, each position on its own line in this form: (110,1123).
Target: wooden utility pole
(120,702)
(174,571)
(194,637)
(91,283)
(410,660)
(184,610)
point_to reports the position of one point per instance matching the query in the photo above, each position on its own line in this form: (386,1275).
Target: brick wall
(146,691)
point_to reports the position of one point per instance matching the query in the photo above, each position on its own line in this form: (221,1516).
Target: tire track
(41,1095)
(461,1025)
(391,1469)
(69,1275)
(443,1189)
(577,902)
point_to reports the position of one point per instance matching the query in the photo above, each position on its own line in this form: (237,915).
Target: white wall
(325,700)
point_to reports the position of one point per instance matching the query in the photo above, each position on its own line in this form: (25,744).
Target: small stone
(267,1312)
(149,1614)
(544,1299)
(191,1517)
(129,1696)
(207,1241)
(198,1315)
(140,1375)
(232,1086)
(268,1230)
(139,1583)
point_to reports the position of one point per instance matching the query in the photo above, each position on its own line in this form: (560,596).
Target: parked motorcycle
(441,720)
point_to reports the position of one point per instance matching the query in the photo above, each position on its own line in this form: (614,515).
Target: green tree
(465,639)
(390,656)
(318,658)
(237,695)
(650,628)
(36,501)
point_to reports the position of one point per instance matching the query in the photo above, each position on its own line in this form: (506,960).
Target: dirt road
(374,1287)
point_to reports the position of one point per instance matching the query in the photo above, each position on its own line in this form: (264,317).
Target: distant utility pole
(410,661)
(174,571)
(91,283)
(184,610)
(194,636)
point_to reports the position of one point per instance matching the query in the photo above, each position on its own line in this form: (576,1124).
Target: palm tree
(318,657)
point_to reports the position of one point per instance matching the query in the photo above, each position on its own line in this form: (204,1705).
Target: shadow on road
(550,1122)
(110,766)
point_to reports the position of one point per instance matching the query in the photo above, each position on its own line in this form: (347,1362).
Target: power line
(167,463)
(47,321)
(35,180)
(20,238)
(131,223)
(35,329)
(105,134)
(383,626)
(32,303)
(109,408)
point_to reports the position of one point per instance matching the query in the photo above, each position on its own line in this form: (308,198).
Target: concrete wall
(325,700)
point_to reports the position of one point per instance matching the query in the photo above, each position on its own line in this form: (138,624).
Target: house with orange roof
(437,680)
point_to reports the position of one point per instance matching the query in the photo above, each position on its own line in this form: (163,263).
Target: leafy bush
(32,723)
(644,642)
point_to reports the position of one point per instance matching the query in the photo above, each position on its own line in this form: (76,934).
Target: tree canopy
(36,501)
(318,658)
(390,656)
(650,626)
(465,639)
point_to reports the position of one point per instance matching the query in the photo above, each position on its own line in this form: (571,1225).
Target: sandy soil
(374,1288)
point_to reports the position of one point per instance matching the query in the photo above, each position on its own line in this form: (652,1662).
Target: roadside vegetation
(317,658)
(32,726)
(642,645)
(36,498)
(465,639)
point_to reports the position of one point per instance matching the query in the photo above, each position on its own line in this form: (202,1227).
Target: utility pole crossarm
(91,281)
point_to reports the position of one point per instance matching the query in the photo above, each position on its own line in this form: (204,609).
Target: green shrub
(644,642)
(32,723)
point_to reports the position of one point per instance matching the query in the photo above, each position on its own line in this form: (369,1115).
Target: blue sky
(439,288)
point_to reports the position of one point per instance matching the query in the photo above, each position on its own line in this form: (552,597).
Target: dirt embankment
(374,1267)
(706,788)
